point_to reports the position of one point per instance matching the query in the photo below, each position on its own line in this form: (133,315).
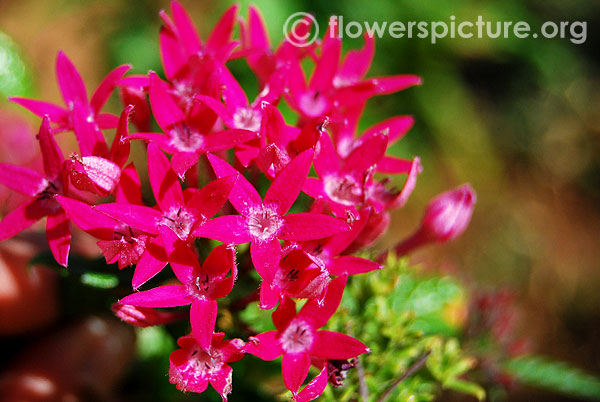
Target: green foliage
(15,77)
(554,376)
(398,313)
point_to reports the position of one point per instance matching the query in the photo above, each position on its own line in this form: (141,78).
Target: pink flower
(298,337)
(201,286)
(82,116)
(186,137)
(181,215)
(265,222)
(42,189)
(193,367)
(446,217)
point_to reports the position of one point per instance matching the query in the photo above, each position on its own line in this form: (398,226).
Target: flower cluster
(215,135)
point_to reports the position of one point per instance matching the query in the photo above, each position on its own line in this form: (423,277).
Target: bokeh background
(517,118)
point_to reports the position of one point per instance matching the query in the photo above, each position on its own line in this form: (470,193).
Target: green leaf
(153,342)
(100,280)
(554,376)
(15,77)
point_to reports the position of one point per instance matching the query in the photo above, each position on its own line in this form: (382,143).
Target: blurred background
(517,118)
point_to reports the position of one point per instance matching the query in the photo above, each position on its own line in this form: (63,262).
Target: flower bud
(145,316)
(448,215)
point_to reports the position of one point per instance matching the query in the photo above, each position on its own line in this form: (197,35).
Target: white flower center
(185,139)
(247,119)
(179,221)
(344,190)
(264,223)
(313,104)
(297,337)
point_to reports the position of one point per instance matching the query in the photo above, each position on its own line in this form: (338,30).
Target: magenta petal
(220,36)
(21,218)
(396,127)
(106,121)
(207,201)
(265,346)
(129,190)
(308,226)
(89,137)
(222,381)
(151,263)
(319,312)
(185,28)
(106,87)
(40,108)
(313,389)
(218,108)
(162,296)
(22,180)
(220,261)
(326,67)
(119,151)
(409,185)
(243,196)
(287,185)
(87,218)
(392,165)
(203,316)
(69,80)
(357,62)
(387,85)
(180,374)
(223,140)
(165,186)
(269,295)
(336,346)
(59,236)
(265,257)
(136,216)
(370,150)
(285,312)
(51,153)
(181,257)
(182,162)
(166,112)
(326,158)
(351,265)
(228,229)
(294,368)
(314,188)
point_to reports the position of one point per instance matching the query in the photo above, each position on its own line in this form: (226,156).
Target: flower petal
(207,201)
(243,196)
(51,153)
(265,257)
(294,368)
(351,265)
(265,346)
(336,346)
(287,185)
(21,218)
(119,151)
(40,108)
(129,190)
(220,261)
(106,87)
(222,381)
(165,186)
(370,150)
(162,296)
(165,110)
(228,229)
(70,82)
(308,226)
(319,312)
(136,216)
(313,389)
(151,263)
(203,316)
(59,236)
(396,127)
(284,313)
(22,180)
(87,218)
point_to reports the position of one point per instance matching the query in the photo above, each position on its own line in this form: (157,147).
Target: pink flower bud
(446,217)
(145,316)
